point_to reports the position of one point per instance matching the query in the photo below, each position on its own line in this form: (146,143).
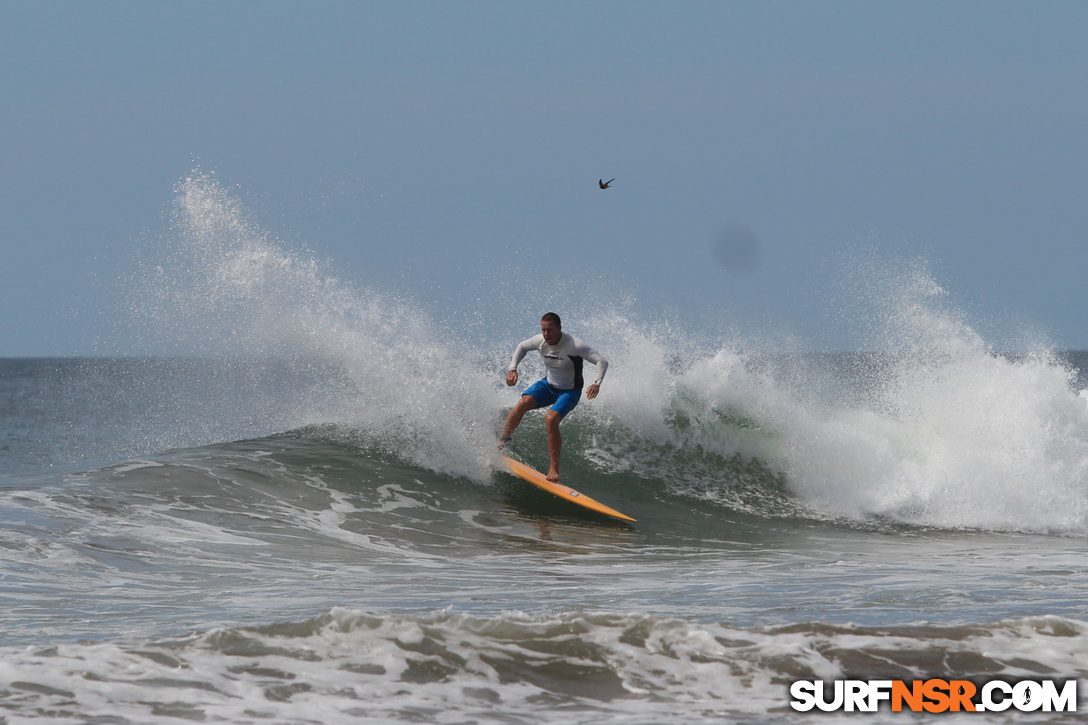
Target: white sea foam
(449,668)
(935,428)
(952,433)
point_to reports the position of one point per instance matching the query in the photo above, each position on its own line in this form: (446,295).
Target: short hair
(552,317)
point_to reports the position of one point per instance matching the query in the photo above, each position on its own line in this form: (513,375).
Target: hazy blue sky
(423,147)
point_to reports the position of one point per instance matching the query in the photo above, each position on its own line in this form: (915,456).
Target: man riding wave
(561,388)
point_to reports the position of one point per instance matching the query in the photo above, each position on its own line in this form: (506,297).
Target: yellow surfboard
(539,480)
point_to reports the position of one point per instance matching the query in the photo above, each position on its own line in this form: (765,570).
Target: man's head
(552,328)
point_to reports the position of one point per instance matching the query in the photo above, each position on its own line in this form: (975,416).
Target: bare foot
(553,476)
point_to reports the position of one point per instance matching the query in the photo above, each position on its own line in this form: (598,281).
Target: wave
(935,428)
(446,667)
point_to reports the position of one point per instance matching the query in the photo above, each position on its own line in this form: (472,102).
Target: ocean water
(295,512)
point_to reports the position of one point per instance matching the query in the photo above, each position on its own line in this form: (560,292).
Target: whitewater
(291,508)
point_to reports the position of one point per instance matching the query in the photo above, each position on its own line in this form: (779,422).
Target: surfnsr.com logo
(934,695)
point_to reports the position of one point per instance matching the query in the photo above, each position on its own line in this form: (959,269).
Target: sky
(758,148)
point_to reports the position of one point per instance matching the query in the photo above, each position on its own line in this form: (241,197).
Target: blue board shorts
(562,401)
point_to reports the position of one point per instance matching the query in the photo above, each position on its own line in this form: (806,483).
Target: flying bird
(604,184)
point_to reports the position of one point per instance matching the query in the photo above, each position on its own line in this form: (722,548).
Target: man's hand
(512,378)
(591,391)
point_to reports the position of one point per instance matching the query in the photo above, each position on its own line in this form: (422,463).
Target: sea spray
(226,288)
(950,433)
(933,427)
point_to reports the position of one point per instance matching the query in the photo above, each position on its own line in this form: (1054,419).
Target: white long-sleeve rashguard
(563,361)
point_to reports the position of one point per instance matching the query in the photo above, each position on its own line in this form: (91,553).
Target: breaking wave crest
(933,427)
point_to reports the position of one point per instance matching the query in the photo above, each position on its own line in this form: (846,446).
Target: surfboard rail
(539,480)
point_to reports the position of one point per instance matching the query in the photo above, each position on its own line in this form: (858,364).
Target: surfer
(561,387)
